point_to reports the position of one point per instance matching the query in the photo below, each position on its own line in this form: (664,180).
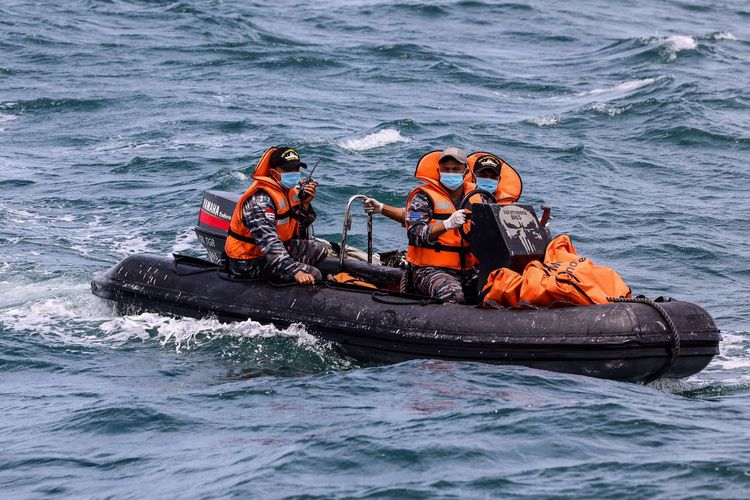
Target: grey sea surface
(631,120)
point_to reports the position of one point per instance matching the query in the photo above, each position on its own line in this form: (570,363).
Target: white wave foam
(57,311)
(18,216)
(673,44)
(731,366)
(546,121)
(681,42)
(374,140)
(68,313)
(207,142)
(186,240)
(733,352)
(19,293)
(132,245)
(606,109)
(7,118)
(187,333)
(118,244)
(722,35)
(240,176)
(620,88)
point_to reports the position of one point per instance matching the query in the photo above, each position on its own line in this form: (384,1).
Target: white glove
(457,219)
(373,206)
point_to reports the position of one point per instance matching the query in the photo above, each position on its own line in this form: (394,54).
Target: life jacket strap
(237,236)
(439,247)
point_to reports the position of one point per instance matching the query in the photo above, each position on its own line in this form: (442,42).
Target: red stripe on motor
(213,221)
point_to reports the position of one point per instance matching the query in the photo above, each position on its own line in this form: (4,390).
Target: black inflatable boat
(630,341)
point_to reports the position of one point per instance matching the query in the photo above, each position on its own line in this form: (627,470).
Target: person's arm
(418,216)
(259,215)
(394,213)
(305,215)
(419,213)
(373,206)
(456,220)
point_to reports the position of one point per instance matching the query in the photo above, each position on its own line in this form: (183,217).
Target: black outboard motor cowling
(213,221)
(506,236)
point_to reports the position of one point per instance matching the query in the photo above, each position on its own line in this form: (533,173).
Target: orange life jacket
(448,249)
(509,186)
(348,279)
(563,277)
(240,243)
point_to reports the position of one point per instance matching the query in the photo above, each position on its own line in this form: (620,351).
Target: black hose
(673,348)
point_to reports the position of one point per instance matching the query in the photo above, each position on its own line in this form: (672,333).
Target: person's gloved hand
(373,206)
(457,219)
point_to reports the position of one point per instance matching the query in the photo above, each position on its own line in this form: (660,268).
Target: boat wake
(65,314)
(188,333)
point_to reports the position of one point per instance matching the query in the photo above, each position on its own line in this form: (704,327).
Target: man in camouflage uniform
(439,282)
(297,260)
(425,232)
(303,255)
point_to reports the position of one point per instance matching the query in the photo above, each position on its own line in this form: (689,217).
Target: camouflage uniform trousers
(445,284)
(307,254)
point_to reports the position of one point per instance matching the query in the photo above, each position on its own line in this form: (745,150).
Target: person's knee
(440,285)
(451,295)
(311,252)
(320,252)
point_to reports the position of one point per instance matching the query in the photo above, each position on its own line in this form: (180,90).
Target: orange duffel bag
(563,277)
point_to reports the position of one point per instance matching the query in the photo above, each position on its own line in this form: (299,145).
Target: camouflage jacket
(418,214)
(259,215)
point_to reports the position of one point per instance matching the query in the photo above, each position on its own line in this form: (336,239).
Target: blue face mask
(487,184)
(290,179)
(451,181)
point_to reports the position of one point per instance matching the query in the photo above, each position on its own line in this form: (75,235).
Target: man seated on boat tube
(269,233)
(491,173)
(442,265)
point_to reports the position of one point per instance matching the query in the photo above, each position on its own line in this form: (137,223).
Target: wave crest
(721,35)
(624,87)
(374,140)
(546,121)
(670,46)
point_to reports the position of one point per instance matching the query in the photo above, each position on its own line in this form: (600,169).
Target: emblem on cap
(290,155)
(488,161)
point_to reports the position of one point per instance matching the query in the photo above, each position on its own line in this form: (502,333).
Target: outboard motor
(506,236)
(213,221)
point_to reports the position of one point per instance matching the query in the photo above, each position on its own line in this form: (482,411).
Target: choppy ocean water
(632,122)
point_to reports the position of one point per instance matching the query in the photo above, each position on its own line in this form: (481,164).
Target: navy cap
(285,158)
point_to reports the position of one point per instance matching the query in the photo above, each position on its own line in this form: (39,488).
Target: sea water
(630,120)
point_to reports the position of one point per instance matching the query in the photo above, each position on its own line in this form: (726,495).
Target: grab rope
(673,348)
